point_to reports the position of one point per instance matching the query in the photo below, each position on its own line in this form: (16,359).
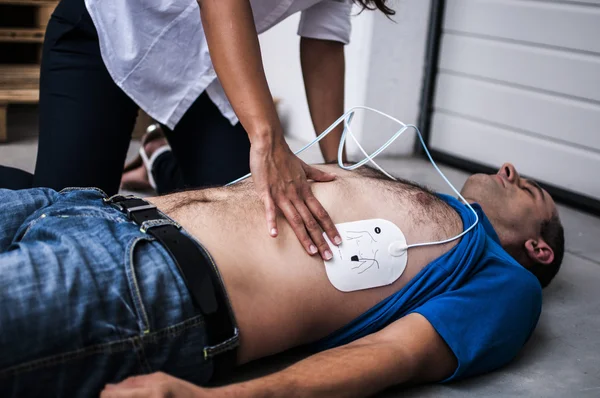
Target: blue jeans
(87,299)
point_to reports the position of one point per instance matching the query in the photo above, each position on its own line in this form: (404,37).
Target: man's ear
(539,251)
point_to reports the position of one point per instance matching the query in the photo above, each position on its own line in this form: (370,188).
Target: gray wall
(395,77)
(519,81)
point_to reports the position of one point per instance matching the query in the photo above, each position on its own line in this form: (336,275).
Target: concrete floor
(561,359)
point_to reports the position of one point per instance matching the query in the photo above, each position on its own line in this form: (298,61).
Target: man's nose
(509,172)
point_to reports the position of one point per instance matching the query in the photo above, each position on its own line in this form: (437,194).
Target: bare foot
(136,180)
(154,145)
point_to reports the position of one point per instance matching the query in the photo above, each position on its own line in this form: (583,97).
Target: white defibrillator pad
(373,253)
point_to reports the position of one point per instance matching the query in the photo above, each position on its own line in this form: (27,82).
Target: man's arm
(323,68)
(407,351)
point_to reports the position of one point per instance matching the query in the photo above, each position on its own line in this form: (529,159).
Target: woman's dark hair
(376,4)
(553,233)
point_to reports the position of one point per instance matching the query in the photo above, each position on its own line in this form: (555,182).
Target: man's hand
(156,385)
(281,180)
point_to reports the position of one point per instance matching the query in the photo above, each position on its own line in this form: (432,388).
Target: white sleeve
(327,20)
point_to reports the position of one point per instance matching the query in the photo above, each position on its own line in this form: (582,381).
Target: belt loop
(147,225)
(227,345)
(112,199)
(116,199)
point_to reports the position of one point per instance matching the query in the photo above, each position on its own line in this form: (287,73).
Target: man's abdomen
(281,296)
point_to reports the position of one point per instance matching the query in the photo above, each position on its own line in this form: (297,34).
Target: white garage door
(519,81)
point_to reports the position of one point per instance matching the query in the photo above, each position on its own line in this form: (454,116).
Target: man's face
(515,206)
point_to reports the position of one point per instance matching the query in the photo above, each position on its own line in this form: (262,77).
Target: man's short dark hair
(554,235)
(376,4)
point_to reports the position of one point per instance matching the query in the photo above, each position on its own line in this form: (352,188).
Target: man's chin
(475,187)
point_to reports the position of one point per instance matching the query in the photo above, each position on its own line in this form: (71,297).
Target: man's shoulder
(501,270)
(489,315)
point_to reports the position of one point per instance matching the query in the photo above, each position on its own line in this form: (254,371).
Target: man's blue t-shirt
(482,302)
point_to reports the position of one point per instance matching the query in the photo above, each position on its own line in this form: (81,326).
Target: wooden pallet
(22,35)
(19,84)
(43,9)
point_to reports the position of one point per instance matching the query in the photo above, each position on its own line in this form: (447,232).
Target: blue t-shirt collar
(485,223)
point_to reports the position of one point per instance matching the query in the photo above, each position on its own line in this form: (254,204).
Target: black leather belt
(198,273)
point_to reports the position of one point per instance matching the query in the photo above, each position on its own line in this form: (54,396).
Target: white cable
(370,158)
(347,119)
(305,147)
(455,191)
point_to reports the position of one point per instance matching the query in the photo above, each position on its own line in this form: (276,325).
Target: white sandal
(153,132)
(149,162)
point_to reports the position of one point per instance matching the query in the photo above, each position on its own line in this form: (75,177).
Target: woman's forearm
(280,178)
(235,53)
(323,67)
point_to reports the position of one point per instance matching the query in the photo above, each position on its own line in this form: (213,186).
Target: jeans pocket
(134,286)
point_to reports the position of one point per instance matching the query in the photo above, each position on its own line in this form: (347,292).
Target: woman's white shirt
(156,51)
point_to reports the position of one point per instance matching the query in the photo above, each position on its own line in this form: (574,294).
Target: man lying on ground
(94,290)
